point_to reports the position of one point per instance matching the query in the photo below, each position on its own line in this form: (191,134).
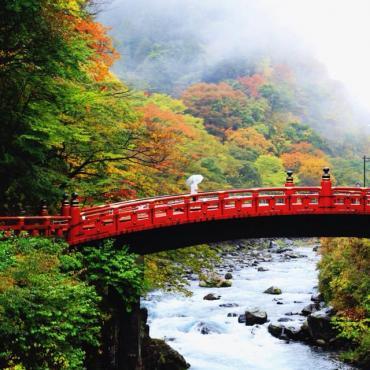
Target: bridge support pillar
(122,334)
(130,339)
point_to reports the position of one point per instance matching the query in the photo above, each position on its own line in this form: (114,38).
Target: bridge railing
(36,225)
(90,223)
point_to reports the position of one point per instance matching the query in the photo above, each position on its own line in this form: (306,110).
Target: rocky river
(211,333)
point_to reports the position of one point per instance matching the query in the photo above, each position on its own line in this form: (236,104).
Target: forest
(80,116)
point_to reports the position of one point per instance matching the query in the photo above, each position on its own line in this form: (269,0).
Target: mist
(166,45)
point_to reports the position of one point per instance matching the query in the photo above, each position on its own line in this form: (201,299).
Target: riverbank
(208,332)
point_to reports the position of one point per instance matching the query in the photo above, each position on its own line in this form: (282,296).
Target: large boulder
(275,330)
(214,280)
(158,355)
(292,332)
(273,290)
(320,327)
(255,317)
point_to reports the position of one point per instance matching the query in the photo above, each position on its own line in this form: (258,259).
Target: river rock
(241,319)
(211,297)
(283,250)
(208,328)
(309,309)
(288,332)
(228,276)
(261,269)
(214,280)
(273,290)
(255,317)
(273,245)
(228,305)
(318,297)
(275,329)
(232,314)
(158,355)
(292,255)
(320,327)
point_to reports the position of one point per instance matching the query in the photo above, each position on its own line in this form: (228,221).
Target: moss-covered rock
(158,355)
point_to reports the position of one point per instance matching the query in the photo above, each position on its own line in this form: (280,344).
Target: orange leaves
(104,54)
(252,84)
(249,138)
(210,92)
(170,121)
(220,106)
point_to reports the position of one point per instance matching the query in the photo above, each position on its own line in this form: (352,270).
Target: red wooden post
(44,208)
(289,184)
(75,218)
(255,201)
(325,195)
(363,199)
(66,208)
(221,203)
(151,212)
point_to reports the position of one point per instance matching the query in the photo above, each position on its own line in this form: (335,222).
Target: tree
(39,49)
(221,107)
(344,280)
(252,84)
(271,170)
(48,318)
(249,137)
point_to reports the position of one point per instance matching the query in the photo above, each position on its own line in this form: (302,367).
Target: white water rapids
(234,346)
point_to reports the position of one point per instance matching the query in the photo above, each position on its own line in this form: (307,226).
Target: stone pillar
(130,338)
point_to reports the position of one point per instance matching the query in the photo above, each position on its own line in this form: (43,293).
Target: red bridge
(169,222)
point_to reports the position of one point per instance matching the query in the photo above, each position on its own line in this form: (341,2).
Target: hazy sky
(336,32)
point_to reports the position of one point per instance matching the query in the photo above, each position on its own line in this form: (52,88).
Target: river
(231,345)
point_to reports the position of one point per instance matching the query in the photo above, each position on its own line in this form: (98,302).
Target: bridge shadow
(184,235)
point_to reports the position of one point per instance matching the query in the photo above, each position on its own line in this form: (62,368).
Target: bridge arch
(169,222)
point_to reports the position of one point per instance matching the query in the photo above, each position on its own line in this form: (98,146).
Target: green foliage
(109,267)
(344,280)
(271,170)
(38,49)
(48,319)
(297,132)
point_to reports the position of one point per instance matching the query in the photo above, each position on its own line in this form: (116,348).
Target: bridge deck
(132,218)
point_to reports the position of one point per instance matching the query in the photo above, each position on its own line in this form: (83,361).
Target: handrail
(108,220)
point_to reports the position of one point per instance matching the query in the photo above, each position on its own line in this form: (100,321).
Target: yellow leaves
(307,162)
(73,6)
